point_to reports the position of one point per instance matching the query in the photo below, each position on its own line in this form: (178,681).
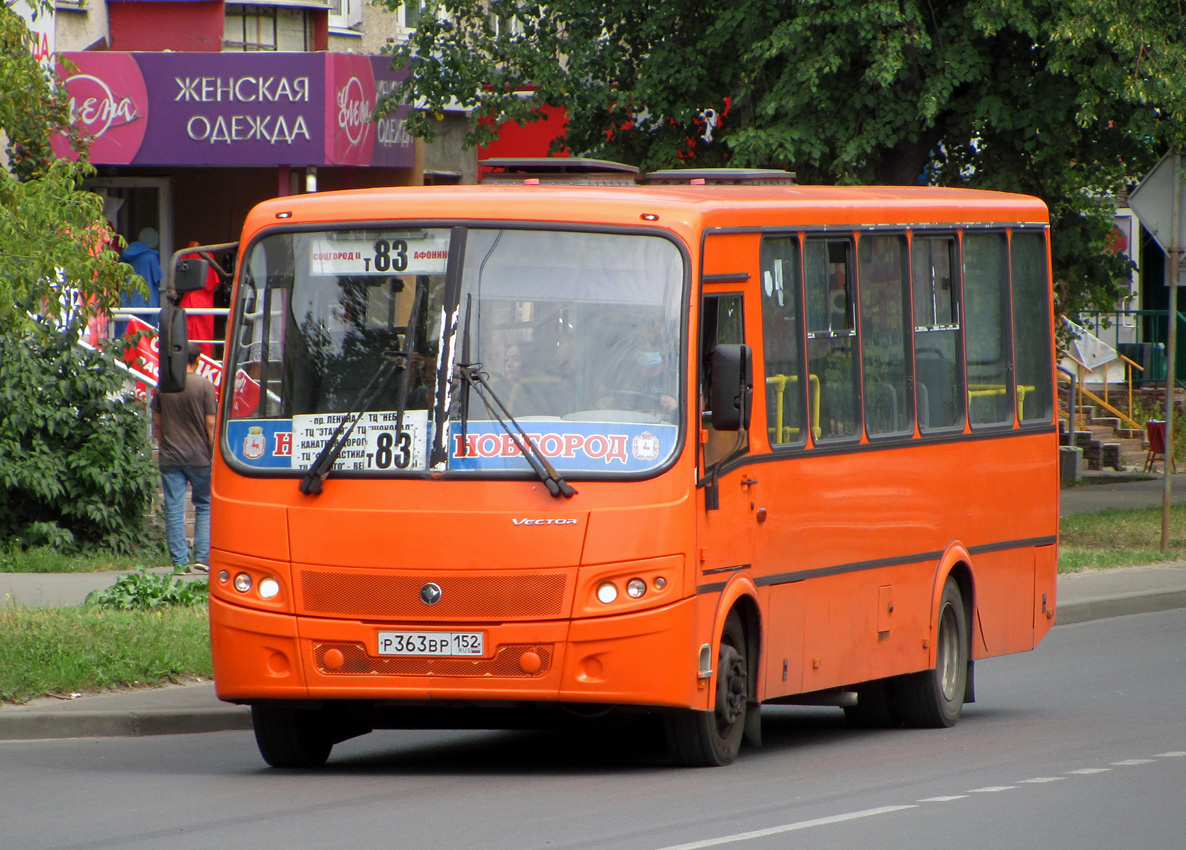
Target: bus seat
(936,389)
(881,408)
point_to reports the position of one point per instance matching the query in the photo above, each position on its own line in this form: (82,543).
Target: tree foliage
(76,469)
(1070,100)
(51,229)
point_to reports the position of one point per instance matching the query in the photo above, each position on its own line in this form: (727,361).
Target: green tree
(75,465)
(51,229)
(1070,100)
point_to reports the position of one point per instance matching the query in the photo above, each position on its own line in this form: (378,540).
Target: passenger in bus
(546,385)
(509,370)
(419,390)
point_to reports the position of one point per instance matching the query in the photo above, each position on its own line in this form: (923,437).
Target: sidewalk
(1100,492)
(180,709)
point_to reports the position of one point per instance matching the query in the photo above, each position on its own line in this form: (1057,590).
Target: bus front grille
(385,595)
(353,659)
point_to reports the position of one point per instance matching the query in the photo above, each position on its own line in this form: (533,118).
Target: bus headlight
(242,582)
(607,592)
(268,588)
(635,588)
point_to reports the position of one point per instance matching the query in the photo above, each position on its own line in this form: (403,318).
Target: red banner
(145,359)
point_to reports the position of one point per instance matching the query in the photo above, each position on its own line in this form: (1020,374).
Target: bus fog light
(268,588)
(635,588)
(242,582)
(607,592)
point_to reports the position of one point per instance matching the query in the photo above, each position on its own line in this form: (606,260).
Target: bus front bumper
(645,658)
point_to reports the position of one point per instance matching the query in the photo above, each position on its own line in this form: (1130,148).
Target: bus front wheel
(934,698)
(713,738)
(291,737)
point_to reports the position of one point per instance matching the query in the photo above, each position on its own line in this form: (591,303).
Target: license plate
(432,643)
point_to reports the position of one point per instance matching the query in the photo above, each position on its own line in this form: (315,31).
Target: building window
(412,12)
(345,14)
(268,28)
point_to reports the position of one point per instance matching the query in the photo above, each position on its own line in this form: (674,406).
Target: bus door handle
(748,482)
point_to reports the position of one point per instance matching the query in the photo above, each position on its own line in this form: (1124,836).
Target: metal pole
(1171,355)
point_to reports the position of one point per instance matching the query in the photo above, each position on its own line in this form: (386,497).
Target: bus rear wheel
(291,737)
(713,738)
(934,698)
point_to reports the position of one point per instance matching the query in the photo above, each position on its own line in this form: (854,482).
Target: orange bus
(679,445)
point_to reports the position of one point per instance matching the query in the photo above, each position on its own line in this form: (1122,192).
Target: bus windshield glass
(578,334)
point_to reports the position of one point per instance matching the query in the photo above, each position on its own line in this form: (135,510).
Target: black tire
(713,738)
(933,699)
(291,737)
(874,708)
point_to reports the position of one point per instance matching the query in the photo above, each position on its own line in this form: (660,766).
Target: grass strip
(1119,538)
(46,559)
(67,650)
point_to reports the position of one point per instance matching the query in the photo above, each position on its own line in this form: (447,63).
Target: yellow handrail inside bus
(984,390)
(785,433)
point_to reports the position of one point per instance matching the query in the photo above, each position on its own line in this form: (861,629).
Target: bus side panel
(782,646)
(865,625)
(1004,600)
(1045,587)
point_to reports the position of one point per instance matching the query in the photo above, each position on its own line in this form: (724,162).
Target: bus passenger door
(725,524)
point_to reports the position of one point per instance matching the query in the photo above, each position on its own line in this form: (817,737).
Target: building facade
(200,109)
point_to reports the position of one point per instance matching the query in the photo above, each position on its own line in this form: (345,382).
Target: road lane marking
(788,827)
(850,816)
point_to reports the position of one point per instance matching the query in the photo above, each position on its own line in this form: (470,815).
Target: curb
(30,726)
(1070,613)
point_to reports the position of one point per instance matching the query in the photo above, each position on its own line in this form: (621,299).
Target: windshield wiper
(474,378)
(317,473)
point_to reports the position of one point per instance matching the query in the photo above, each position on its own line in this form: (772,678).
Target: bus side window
(721,324)
(1031,328)
(831,339)
(884,269)
(938,376)
(986,291)
(781,273)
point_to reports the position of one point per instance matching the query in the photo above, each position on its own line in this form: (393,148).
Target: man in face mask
(647,380)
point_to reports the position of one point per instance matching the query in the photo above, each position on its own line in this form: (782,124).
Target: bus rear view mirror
(732,387)
(189,274)
(174,345)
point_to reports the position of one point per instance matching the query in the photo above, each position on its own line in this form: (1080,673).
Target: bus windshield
(577,333)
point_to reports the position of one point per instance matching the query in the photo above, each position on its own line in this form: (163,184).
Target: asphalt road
(1081,744)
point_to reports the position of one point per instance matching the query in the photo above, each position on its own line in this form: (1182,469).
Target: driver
(644,378)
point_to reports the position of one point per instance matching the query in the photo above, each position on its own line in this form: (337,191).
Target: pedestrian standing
(184,427)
